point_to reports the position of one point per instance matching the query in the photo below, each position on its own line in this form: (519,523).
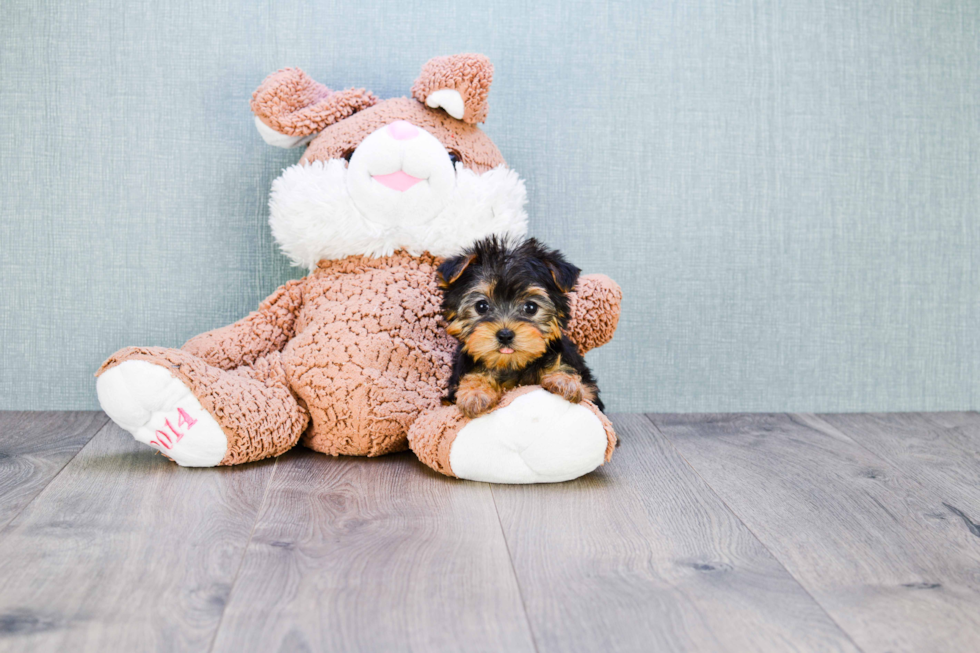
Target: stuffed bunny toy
(354,359)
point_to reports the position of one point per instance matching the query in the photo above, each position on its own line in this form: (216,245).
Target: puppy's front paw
(476,395)
(567,386)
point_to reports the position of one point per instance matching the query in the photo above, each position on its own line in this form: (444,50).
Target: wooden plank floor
(876,548)
(34,447)
(705,533)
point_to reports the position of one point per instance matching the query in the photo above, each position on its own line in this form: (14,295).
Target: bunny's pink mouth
(400,181)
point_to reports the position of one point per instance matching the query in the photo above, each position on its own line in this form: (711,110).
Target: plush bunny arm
(595,311)
(260,333)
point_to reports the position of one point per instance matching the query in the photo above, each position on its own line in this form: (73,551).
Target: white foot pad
(159,410)
(539,438)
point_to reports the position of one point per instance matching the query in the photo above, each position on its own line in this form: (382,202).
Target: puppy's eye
(482,307)
(530,308)
(347,155)
(454,158)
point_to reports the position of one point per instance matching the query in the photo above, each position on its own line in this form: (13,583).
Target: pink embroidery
(176,433)
(164,440)
(185,419)
(163,436)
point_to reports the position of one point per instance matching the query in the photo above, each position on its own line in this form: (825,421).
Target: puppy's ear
(564,273)
(452,268)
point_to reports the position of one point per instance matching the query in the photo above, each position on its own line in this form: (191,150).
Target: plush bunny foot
(159,410)
(534,436)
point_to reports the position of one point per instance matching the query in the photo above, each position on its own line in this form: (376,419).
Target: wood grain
(125,551)
(683,542)
(643,556)
(874,546)
(968,422)
(374,555)
(34,447)
(941,451)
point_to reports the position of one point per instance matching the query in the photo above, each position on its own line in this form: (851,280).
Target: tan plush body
(353,359)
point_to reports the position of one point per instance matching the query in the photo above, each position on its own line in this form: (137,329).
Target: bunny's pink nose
(402,131)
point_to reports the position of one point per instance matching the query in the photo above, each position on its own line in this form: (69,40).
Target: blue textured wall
(787,191)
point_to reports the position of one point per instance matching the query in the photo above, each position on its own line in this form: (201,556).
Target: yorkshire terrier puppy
(508,307)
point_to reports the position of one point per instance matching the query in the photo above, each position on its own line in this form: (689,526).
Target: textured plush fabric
(595,308)
(469,75)
(160,410)
(357,348)
(292,103)
(473,147)
(477,206)
(265,331)
(370,353)
(252,404)
(786,190)
(432,435)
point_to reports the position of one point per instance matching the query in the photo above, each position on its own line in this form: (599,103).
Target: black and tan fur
(508,307)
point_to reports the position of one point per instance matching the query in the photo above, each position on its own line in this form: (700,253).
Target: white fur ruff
(313,216)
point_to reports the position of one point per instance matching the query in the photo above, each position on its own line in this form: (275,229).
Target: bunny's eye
(454,158)
(347,155)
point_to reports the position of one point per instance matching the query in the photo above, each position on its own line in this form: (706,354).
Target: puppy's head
(506,302)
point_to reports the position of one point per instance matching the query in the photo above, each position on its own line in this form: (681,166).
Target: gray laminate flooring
(706,533)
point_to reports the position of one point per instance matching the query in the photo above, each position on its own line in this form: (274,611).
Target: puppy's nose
(401,130)
(505,336)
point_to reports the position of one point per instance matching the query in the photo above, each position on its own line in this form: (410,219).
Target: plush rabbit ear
(458,83)
(290,107)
